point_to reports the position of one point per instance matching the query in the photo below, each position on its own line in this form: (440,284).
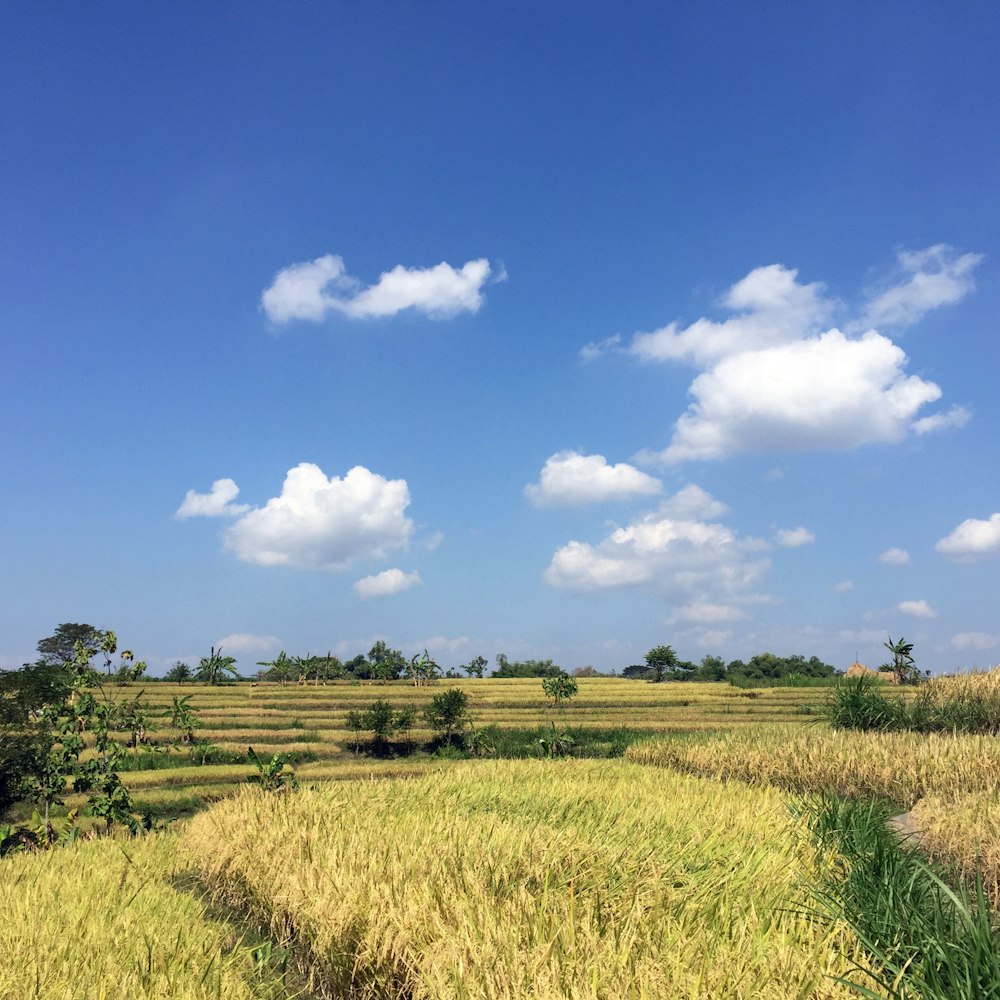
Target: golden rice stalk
(514,879)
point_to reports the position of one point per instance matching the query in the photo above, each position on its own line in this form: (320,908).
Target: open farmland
(311,721)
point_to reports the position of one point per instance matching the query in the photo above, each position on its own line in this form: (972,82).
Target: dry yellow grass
(515,879)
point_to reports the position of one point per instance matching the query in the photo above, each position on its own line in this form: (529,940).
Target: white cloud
(792,538)
(918,609)
(776,309)
(975,640)
(693,563)
(597,349)
(246,642)
(216,503)
(894,557)
(314,289)
(826,393)
(708,614)
(321,523)
(390,581)
(954,416)
(843,587)
(972,538)
(776,377)
(569,478)
(933,277)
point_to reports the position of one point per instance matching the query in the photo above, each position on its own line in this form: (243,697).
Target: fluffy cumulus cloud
(894,557)
(828,392)
(699,564)
(315,289)
(973,538)
(246,642)
(570,479)
(324,523)
(390,581)
(917,609)
(775,376)
(792,538)
(218,502)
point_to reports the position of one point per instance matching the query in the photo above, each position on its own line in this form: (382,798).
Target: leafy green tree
(448,713)
(179,673)
(525,668)
(475,667)
(659,660)
(386,664)
(711,668)
(213,668)
(60,647)
(637,671)
(560,689)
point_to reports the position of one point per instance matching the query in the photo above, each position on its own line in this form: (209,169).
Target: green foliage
(858,703)
(179,673)
(861,703)
(475,666)
(280,669)
(422,669)
(271,774)
(659,660)
(902,661)
(559,688)
(927,938)
(183,716)
(60,647)
(386,664)
(553,744)
(214,668)
(383,722)
(525,668)
(447,713)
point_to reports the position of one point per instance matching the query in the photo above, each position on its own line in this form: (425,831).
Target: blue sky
(535,328)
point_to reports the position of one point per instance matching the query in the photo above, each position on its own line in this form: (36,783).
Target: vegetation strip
(926,939)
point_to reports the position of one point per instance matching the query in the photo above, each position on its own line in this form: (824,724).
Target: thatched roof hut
(857,669)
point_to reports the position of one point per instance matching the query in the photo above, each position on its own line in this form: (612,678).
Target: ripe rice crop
(963,832)
(901,767)
(103,920)
(513,879)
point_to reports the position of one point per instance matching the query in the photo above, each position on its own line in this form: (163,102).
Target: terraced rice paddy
(312,720)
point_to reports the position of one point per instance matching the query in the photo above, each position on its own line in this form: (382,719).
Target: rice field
(106,919)
(504,880)
(311,720)
(947,785)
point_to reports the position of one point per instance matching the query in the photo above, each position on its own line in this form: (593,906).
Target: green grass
(927,939)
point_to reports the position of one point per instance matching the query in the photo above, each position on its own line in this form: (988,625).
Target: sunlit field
(518,879)
(311,720)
